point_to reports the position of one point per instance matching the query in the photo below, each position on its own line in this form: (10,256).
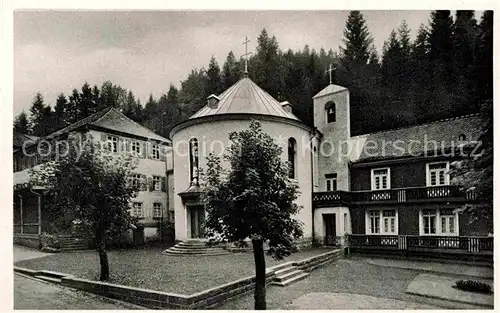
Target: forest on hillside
(447,70)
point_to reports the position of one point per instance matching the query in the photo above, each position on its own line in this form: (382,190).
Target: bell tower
(332,120)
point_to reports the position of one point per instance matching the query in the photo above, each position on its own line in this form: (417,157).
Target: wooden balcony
(438,245)
(393,196)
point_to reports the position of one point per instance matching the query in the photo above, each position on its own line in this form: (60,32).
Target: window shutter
(163,184)
(163,152)
(104,137)
(127,145)
(121,144)
(144,186)
(145,151)
(151,184)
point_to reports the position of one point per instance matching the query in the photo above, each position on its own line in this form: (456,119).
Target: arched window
(330,112)
(193,161)
(292,156)
(461,137)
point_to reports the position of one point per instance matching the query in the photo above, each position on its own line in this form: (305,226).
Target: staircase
(72,244)
(288,275)
(193,247)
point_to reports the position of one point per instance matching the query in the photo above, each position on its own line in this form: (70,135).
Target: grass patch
(148,268)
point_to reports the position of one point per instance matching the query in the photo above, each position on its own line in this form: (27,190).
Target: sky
(146,51)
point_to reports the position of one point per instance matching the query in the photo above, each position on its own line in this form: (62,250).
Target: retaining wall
(165,300)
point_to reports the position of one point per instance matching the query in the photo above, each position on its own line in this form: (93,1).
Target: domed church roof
(245,97)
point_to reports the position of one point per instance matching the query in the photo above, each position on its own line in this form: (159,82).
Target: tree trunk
(103,255)
(260,274)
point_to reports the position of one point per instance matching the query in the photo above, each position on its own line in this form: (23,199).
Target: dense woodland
(447,70)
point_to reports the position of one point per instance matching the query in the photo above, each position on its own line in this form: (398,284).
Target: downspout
(312,189)
(21,207)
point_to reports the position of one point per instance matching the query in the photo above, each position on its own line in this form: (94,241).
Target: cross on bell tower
(246,55)
(330,70)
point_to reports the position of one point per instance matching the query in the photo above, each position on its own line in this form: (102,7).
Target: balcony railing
(401,195)
(438,244)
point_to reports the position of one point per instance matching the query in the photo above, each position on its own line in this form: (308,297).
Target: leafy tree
(253,199)
(95,185)
(21,123)
(475,172)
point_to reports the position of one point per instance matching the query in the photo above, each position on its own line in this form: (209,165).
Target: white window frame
(388,178)
(157,180)
(331,180)
(136,145)
(446,174)
(155,152)
(381,218)
(136,180)
(157,207)
(113,142)
(439,230)
(138,209)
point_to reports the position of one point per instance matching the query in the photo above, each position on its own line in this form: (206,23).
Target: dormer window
(213,101)
(462,138)
(330,112)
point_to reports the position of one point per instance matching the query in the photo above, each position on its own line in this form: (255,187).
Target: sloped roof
(112,119)
(415,140)
(18,139)
(329,90)
(246,97)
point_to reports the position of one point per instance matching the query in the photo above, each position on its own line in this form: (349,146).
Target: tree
(60,112)
(484,59)
(357,40)
(230,71)
(40,117)
(95,185)
(265,69)
(253,199)
(475,171)
(214,84)
(21,123)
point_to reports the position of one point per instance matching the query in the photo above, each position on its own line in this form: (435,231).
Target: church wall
(214,137)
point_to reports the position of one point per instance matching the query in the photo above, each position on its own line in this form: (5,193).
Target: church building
(387,190)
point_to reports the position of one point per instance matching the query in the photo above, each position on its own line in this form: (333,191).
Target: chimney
(287,106)
(213,101)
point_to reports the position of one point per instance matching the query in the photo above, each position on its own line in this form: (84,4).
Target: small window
(292,156)
(156,183)
(156,210)
(381,179)
(136,147)
(330,112)
(331,182)
(155,152)
(193,161)
(437,174)
(136,181)
(137,210)
(113,144)
(462,138)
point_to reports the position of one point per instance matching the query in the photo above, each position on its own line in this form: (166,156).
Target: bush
(474,286)
(49,243)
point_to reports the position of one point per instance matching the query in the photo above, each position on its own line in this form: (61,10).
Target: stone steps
(194,248)
(288,275)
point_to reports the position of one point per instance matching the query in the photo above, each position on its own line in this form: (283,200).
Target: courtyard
(348,283)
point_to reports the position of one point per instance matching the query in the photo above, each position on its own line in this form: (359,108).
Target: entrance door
(197,215)
(330,229)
